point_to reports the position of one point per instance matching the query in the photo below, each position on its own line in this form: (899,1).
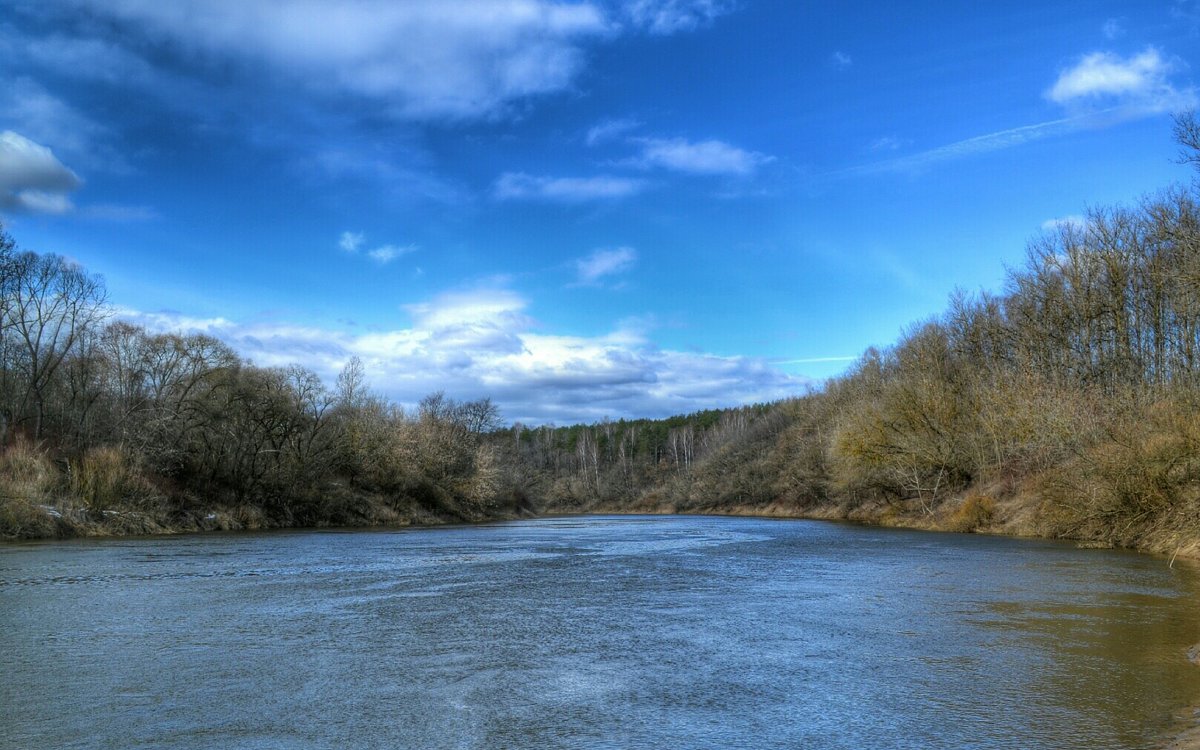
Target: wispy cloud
(970,147)
(387,253)
(711,157)
(1099,90)
(521,186)
(32,179)
(1113,29)
(673,16)
(609,130)
(1138,85)
(603,264)
(887,143)
(353,243)
(841,60)
(30,109)
(350,242)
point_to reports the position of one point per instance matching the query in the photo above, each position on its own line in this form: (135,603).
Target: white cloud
(387,253)
(422,58)
(173,320)
(610,129)
(481,342)
(672,16)
(1113,29)
(521,186)
(1138,83)
(484,306)
(601,264)
(353,243)
(710,157)
(32,179)
(841,60)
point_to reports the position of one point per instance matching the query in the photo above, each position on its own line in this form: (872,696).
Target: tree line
(106,424)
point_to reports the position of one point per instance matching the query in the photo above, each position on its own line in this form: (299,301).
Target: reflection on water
(592,633)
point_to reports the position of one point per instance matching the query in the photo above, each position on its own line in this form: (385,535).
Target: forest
(1067,404)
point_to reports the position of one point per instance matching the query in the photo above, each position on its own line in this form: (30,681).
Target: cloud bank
(423,58)
(482,342)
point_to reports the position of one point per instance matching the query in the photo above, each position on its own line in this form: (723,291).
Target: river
(593,632)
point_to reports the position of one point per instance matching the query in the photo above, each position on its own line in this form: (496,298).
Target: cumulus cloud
(354,242)
(710,157)
(672,16)
(603,264)
(423,58)
(482,342)
(1139,83)
(521,186)
(32,179)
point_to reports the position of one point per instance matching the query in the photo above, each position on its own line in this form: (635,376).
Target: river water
(593,632)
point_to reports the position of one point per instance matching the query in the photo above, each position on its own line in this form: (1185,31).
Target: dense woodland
(1066,405)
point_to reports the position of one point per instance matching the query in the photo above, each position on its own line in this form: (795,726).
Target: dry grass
(27,492)
(974,513)
(105,479)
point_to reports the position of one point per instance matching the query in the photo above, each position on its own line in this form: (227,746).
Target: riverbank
(995,512)
(1011,515)
(27,521)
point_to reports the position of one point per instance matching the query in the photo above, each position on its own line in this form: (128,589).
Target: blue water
(594,632)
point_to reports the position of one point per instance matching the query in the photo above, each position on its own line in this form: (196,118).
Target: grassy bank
(104,495)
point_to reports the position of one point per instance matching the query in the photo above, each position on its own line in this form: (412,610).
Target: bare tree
(1187,135)
(479,417)
(51,302)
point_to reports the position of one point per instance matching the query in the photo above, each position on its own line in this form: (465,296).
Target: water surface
(677,632)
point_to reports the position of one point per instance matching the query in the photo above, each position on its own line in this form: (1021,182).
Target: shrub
(972,514)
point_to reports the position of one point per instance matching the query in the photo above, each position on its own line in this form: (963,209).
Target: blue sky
(586,209)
